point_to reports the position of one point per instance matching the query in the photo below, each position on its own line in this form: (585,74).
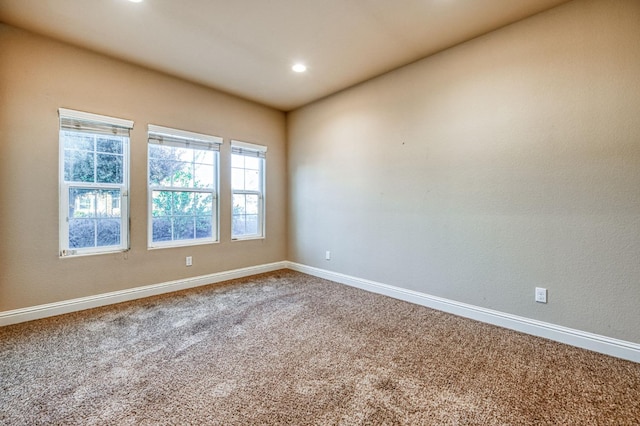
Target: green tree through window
(183,188)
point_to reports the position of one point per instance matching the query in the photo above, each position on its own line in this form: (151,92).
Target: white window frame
(182,138)
(85,121)
(259,151)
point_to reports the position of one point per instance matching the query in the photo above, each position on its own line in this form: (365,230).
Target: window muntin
(94,181)
(183,187)
(247,186)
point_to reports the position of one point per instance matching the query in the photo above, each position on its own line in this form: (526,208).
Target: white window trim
(198,140)
(261,194)
(182,134)
(249,146)
(63,188)
(87,116)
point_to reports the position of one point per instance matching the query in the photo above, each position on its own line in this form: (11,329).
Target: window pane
(170,166)
(161,203)
(160,171)
(181,215)
(78,166)
(183,154)
(203,227)
(203,204)
(237,179)
(252,180)
(82,233)
(82,203)
(77,140)
(108,232)
(252,163)
(203,176)
(182,175)
(109,169)
(182,203)
(237,161)
(246,215)
(203,157)
(247,175)
(251,224)
(161,229)
(105,202)
(252,204)
(183,228)
(239,204)
(238,226)
(94,203)
(160,152)
(109,145)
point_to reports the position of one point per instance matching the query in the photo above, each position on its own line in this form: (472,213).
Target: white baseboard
(73,305)
(594,342)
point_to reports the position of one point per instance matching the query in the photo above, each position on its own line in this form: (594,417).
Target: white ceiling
(247,47)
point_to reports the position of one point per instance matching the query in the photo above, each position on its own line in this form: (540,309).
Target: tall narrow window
(183,187)
(247,185)
(94,183)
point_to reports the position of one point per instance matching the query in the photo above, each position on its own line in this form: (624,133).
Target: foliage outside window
(183,187)
(94,183)
(247,184)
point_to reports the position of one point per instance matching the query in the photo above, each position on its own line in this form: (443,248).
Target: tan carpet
(287,348)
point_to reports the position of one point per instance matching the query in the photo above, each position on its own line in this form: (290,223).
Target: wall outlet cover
(541,295)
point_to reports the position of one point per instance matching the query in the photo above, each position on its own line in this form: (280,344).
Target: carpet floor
(288,348)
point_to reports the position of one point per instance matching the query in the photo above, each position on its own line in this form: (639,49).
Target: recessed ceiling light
(299,67)
(136,1)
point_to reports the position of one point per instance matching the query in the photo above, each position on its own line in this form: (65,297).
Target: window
(94,183)
(183,187)
(247,185)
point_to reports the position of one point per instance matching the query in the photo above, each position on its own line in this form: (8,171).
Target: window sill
(181,244)
(261,237)
(91,253)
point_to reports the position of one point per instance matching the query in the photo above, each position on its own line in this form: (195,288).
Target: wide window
(247,185)
(183,187)
(94,183)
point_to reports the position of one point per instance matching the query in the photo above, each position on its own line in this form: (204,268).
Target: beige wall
(37,76)
(505,163)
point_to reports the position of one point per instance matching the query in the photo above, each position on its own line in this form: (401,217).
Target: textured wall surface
(505,163)
(38,76)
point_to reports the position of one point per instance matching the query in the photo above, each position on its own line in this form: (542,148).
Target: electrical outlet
(189,261)
(541,295)
(327,255)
